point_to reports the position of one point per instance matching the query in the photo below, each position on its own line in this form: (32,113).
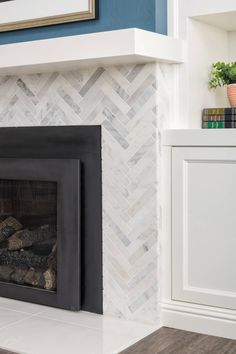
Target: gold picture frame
(52,20)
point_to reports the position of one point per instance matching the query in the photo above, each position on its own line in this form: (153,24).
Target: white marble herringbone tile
(131,103)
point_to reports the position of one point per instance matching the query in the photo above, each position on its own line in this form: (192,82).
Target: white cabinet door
(204,225)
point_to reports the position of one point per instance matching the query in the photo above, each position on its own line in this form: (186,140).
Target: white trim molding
(173,18)
(199,318)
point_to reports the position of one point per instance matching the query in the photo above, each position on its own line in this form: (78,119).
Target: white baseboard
(197,318)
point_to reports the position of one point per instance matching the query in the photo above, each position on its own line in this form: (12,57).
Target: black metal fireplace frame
(70,156)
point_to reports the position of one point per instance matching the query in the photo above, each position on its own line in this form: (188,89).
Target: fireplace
(51,216)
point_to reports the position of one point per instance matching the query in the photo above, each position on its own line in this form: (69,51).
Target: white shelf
(199,137)
(103,48)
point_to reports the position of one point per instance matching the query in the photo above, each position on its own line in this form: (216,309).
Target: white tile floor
(34,329)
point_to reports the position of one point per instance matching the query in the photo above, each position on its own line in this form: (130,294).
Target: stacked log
(8,227)
(50,280)
(26,238)
(5,273)
(52,259)
(28,256)
(35,278)
(22,258)
(18,276)
(51,273)
(43,247)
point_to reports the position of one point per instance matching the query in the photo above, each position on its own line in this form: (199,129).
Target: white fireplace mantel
(103,48)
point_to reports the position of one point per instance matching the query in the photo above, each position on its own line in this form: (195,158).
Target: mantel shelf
(103,48)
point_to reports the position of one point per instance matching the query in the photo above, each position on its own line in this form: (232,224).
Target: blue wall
(113,14)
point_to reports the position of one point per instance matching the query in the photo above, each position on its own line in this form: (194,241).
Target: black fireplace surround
(50,186)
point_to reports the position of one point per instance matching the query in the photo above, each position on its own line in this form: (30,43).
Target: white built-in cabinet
(198,200)
(204,225)
(198,231)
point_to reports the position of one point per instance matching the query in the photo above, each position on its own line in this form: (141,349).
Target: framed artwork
(18,14)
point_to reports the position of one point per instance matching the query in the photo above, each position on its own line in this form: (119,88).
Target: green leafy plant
(222,74)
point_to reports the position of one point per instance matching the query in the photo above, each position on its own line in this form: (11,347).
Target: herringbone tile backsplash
(131,103)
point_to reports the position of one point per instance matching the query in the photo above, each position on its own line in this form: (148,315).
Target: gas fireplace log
(8,227)
(6,272)
(26,238)
(43,247)
(35,278)
(18,276)
(50,279)
(52,259)
(22,258)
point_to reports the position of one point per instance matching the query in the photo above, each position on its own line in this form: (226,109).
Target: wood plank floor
(174,341)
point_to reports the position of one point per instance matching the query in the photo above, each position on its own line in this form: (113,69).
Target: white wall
(206,45)
(190,8)
(200,7)
(232,46)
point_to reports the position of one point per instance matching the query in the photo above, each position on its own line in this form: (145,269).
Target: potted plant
(223,74)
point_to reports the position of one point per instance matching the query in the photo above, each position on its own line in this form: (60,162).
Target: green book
(219,125)
(213,125)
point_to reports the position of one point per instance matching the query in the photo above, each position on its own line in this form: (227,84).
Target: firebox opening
(28,233)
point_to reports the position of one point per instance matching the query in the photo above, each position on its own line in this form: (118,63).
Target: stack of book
(218,118)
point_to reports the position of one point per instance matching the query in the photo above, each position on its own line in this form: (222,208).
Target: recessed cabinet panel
(204,225)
